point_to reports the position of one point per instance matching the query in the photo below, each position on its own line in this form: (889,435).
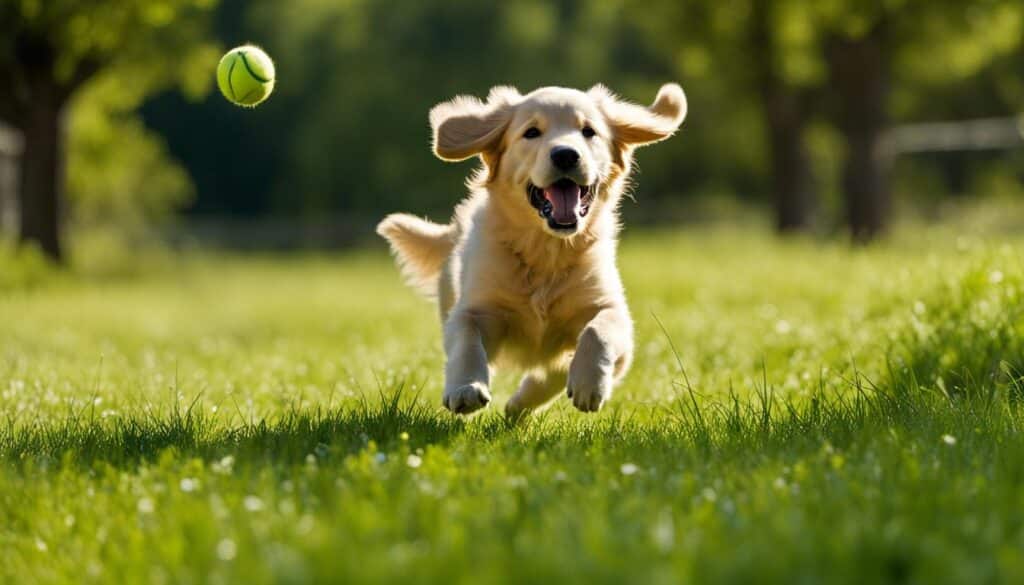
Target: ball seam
(245,62)
(231,86)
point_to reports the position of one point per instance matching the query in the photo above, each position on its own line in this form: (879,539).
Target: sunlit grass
(797,411)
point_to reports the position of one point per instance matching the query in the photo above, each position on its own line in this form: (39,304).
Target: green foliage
(277,420)
(102,32)
(122,182)
(119,173)
(23,267)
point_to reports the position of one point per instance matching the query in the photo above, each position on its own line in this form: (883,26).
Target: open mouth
(562,203)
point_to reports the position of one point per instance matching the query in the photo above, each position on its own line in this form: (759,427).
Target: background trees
(50,49)
(853,67)
(791,101)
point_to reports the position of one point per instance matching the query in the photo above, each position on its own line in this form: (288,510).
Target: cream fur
(509,287)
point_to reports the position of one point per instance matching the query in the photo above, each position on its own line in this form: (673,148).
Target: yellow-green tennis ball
(245,75)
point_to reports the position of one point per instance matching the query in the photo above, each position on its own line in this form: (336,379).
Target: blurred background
(834,118)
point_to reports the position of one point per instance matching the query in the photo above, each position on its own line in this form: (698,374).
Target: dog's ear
(634,125)
(465,126)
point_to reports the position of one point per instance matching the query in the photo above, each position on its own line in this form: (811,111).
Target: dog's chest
(542,298)
(547,312)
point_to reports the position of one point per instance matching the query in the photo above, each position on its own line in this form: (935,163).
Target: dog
(525,272)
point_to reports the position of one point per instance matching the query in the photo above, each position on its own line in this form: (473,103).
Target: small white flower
(516,482)
(41,545)
(783,327)
(629,468)
(949,439)
(145,506)
(995,277)
(252,503)
(665,531)
(560,475)
(305,525)
(414,461)
(188,484)
(224,466)
(226,549)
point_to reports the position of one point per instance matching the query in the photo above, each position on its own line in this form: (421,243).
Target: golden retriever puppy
(525,272)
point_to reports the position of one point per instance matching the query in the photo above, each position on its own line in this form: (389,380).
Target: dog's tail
(421,248)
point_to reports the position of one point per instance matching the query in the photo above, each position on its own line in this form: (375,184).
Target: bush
(23,267)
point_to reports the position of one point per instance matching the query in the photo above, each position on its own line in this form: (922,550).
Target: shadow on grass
(692,428)
(83,439)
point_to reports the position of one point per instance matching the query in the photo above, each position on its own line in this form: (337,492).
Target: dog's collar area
(545,208)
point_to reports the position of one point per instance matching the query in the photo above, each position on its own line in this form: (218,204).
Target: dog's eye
(531,132)
(588,132)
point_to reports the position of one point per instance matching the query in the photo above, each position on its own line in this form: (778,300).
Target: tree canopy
(50,49)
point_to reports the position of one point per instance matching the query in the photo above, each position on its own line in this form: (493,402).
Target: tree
(836,59)
(922,44)
(785,100)
(749,51)
(860,75)
(49,49)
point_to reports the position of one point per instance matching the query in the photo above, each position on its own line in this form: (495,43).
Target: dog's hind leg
(535,391)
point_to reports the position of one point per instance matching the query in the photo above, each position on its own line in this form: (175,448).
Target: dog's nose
(564,157)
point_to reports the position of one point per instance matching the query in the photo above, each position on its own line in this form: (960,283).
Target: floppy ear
(634,125)
(465,126)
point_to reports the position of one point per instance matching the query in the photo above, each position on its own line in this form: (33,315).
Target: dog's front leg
(468,337)
(603,353)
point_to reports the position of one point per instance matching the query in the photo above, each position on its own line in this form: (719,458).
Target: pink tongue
(565,202)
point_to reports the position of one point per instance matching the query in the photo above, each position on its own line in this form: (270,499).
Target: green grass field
(809,414)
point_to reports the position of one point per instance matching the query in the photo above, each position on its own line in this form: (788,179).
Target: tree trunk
(859,75)
(792,179)
(42,172)
(785,117)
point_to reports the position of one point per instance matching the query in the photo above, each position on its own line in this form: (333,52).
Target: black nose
(564,158)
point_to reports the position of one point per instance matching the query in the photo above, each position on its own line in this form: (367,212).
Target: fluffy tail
(420,246)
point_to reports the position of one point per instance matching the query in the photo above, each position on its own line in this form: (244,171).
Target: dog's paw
(516,412)
(466,399)
(589,386)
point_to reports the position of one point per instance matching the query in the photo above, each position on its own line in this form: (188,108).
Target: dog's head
(558,154)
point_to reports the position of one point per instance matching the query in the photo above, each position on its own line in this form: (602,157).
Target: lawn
(798,412)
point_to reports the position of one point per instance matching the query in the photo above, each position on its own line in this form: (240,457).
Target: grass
(797,412)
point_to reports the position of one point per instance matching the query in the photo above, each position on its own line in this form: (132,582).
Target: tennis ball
(245,75)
